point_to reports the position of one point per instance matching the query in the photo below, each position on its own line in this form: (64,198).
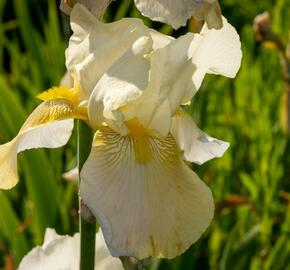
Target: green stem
(86,220)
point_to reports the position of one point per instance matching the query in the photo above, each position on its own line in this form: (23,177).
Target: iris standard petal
(218,51)
(177,71)
(197,146)
(123,83)
(157,207)
(61,252)
(177,12)
(95,46)
(49,125)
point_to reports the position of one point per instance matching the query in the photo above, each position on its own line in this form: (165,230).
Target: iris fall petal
(157,207)
(49,126)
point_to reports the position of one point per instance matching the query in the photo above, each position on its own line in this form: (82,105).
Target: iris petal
(176,13)
(49,125)
(157,206)
(198,147)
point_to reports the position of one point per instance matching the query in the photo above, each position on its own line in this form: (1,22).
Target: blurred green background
(251,229)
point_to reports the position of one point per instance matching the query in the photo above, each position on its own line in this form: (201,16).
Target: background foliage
(250,183)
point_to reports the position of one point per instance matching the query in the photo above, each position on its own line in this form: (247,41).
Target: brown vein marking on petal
(64,101)
(144,148)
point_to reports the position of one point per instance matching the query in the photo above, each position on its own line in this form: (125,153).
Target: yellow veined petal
(65,102)
(158,207)
(49,125)
(197,146)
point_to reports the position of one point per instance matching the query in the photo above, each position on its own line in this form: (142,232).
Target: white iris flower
(62,252)
(129,84)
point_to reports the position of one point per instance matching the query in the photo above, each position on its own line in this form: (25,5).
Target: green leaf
(9,227)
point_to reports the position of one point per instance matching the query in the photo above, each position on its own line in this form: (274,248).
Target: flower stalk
(86,219)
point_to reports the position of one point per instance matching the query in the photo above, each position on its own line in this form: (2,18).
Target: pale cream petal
(148,202)
(178,69)
(198,147)
(8,165)
(166,87)
(95,46)
(52,135)
(123,83)
(49,125)
(176,13)
(67,80)
(82,23)
(61,252)
(159,40)
(160,120)
(216,52)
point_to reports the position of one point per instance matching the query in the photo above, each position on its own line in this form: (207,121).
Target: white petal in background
(157,207)
(62,253)
(197,146)
(177,12)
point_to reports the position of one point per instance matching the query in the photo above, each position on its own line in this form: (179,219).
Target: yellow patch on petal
(136,128)
(64,103)
(56,93)
(53,110)
(139,136)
